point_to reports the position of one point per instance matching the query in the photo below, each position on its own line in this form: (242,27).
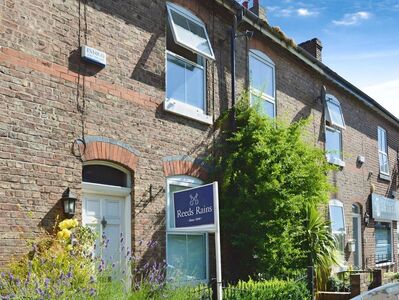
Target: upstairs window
(262,82)
(335,123)
(336,210)
(189,31)
(383,151)
(334,112)
(188,47)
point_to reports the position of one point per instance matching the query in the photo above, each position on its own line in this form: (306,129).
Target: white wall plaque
(94,56)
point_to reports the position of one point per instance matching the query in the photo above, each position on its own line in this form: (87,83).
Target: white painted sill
(385,264)
(335,161)
(186,110)
(383,176)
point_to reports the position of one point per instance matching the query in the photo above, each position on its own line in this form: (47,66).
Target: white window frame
(338,203)
(183,109)
(380,129)
(391,262)
(188,15)
(334,100)
(189,182)
(263,58)
(333,160)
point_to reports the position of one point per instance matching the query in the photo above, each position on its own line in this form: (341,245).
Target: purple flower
(69,274)
(113,265)
(46,282)
(92,292)
(91,279)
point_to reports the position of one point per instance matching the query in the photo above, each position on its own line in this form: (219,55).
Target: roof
(277,36)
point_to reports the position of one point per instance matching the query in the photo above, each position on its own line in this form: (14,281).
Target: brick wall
(49,99)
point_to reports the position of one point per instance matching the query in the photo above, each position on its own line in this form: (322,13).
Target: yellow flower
(60,235)
(66,233)
(63,224)
(68,247)
(68,223)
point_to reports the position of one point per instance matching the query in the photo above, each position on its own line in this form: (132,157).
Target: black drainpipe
(236,19)
(233,71)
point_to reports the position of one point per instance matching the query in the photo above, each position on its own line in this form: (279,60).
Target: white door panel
(105,214)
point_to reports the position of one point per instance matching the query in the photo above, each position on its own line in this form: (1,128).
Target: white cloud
(353,19)
(292,11)
(387,94)
(304,12)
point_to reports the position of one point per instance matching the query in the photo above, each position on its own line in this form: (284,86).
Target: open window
(188,47)
(189,31)
(334,112)
(334,125)
(262,82)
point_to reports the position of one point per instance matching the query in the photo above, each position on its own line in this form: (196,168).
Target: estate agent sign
(197,209)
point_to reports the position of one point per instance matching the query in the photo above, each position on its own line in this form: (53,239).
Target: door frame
(104,189)
(359,234)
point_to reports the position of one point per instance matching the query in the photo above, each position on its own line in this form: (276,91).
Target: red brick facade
(50,101)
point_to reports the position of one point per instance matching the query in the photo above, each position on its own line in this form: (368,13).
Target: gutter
(262,26)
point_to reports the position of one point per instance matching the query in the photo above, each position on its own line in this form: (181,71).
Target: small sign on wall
(93,55)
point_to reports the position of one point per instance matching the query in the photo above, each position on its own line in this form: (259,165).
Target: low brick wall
(333,296)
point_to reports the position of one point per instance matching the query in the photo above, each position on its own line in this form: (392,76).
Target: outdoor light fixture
(69,200)
(366,218)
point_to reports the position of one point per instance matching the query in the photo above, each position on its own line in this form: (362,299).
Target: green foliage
(268,173)
(53,269)
(336,284)
(267,290)
(320,245)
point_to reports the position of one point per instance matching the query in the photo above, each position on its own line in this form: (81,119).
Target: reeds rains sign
(195,207)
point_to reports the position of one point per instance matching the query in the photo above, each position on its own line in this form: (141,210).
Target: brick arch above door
(184,165)
(107,149)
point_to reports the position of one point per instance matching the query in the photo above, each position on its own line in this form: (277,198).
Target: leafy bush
(336,284)
(274,289)
(268,172)
(60,267)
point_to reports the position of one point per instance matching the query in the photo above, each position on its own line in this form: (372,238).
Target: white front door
(104,213)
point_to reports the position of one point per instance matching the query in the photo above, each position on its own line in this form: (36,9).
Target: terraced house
(126,131)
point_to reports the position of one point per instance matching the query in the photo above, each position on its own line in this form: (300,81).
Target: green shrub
(274,289)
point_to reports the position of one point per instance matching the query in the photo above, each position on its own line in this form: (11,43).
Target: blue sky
(360,40)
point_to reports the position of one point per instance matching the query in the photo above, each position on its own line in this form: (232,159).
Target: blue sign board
(195,207)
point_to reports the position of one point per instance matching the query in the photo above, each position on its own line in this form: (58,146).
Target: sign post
(197,210)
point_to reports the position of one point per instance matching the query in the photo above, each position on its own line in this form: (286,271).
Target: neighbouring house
(123,137)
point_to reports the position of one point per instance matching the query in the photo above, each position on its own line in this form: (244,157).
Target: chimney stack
(258,10)
(313,47)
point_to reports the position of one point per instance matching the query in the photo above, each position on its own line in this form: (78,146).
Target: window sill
(384,177)
(186,110)
(385,264)
(336,161)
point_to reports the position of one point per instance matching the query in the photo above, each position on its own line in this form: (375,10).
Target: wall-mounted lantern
(69,201)
(366,218)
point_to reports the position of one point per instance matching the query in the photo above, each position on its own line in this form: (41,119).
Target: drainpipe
(233,71)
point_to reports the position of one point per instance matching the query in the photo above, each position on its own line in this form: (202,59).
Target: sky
(360,40)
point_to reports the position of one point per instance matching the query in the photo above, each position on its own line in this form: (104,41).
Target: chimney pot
(258,10)
(313,47)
